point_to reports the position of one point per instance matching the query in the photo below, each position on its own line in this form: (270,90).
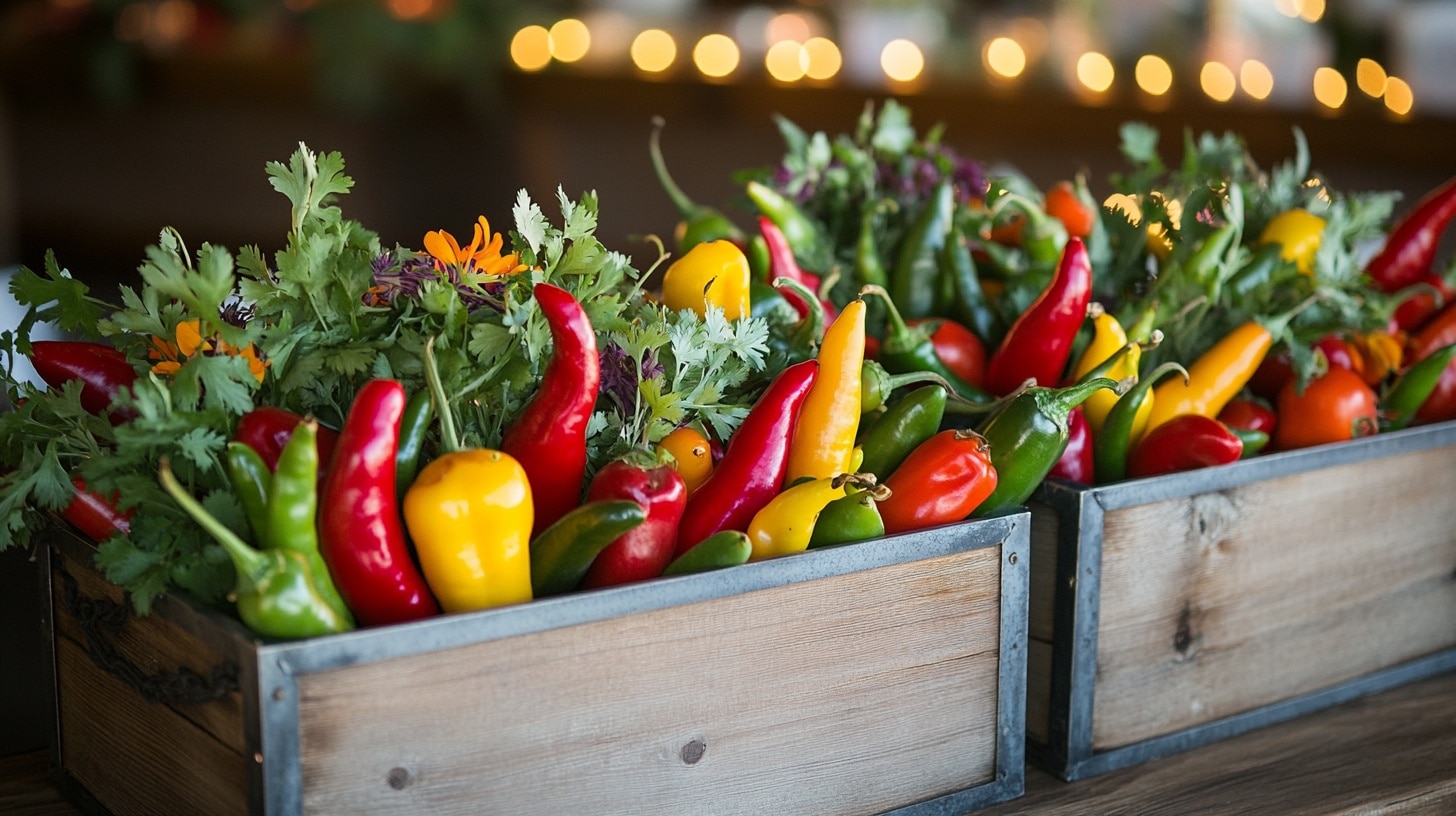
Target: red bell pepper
(644,551)
(266,429)
(1410,246)
(1185,442)
(361,535)
(549,437)
(1249,414)
(94,514)
(754,463)
(1077,463)
(1039,343)
(103,371)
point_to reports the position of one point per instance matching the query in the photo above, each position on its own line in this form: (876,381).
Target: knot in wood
(400,778)
(693,751)
(1215,516)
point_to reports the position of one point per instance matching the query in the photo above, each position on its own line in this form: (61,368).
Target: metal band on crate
(101,621)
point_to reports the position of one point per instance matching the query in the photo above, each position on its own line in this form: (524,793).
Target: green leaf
(531,223)
(57,298)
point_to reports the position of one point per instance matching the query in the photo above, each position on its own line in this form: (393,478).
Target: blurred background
(121,117)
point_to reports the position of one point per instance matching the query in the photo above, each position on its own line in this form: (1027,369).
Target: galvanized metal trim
(450,631)
(270,713)
(1271,466)
(48,624)
(1081,586)
(1104,761)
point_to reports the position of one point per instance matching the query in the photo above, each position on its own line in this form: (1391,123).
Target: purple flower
(620,375)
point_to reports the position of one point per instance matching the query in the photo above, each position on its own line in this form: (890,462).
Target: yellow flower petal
(443,247)
(167,368)
(189,338)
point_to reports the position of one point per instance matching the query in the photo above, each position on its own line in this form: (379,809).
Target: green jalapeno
(728,548)
(1111,446)
(905,349)
(855,517)
(913,279)
(905,424)
(1412,388)
(414,427)
(970,306)
(563,553)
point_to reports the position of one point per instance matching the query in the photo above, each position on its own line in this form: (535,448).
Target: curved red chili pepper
(783,264)
(103,371)
(1441,404)
(361,535)
(549,437)
(1413,312)
(1437,332)
(94,514)
(1185,442)
(644,551)
(266,429)
(754,464)
(1038,344)
(1077,463)
(1410,246)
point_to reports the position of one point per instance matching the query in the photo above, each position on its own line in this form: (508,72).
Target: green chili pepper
(856,517)
(728,548)
(869,267)
(292,511)
(1258,270)
(801,231)
(1111,445)
(766,303)
(970,306)
(700,223)
(1042,236)
(1202,266)
(277,589)
(876,385)
(414,427)
(1412,388)
(251,480)
(563,553)
(1254,441)
(905,424)
(797,341)
(905,349)
(1027,438)
(760,262)
(913,280)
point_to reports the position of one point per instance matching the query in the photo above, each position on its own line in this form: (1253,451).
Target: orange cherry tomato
(959,348)
(692,455)
(1075,213)
(1335,407)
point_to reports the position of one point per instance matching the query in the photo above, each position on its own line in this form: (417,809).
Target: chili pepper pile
(352,435)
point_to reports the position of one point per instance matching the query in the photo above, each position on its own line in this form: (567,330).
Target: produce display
(338,434)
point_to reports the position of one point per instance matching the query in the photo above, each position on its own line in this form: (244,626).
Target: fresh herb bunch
(1164,254)
(213,335)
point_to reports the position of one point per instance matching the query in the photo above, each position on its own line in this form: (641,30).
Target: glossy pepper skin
(971,307)
(729,548)
(266,429)
(856,517)
(94,514)
(1298,233)
(906,423)
(1400,405)
(1076,463)
(644,551)
(945,479)
(360,531)
(784,525)
(1215,377)
(103,371)
(782,264)
(1410,246)
(563,553)
(1108,338)
(906,349)
(1027,438)
(798,228)
(711,274)
(1039,342)
(414,428)
(957,347)
(692,455)
(829,418)
(913,278)
(754,464)
(700,223)
(276,593)
(1185,442)
(1124,426)
(549,437)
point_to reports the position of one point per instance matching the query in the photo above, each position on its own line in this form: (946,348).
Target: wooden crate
(884,676)
(1170,612)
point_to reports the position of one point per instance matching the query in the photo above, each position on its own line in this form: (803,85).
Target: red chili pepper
(103,371)
(958,347)
(1038,344)
(361,535)
(1439,331)
(943,480)
(1250,415)
(266,429)
(1077,463)
(782,264)
(1413,312)
(94,514)
(644,551)
(1185,442)
(754,463)
(1410,246)
(549,437)
(1441,404)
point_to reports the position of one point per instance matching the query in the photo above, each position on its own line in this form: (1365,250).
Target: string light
(570,40)
(531,48)
(1217,81)
(1095,71)
(824,58)
(1370,77)
(1153,74)
(1398,96)
(654,51)
(1256,78)
(786,61)
(1005,57)
(902,61)
(1330,87)
(716,55)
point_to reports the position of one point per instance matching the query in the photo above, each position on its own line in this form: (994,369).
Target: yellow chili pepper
(692,455)
(470,513)
(1298,233)
(1108,337)
(824,436)
(785,524)
(1215,377)
(714,273)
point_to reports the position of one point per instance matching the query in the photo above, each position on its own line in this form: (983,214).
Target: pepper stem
(253,567)
(686,207)
(449,437)
(900,333)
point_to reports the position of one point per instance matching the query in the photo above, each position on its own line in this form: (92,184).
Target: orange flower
(482,255)
(189,342)
(1379,355)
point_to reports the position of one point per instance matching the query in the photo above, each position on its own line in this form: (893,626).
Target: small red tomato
(943,480)
(958,347)
(1335,407)
(1076,213)
(1272,374)
(1249,414)
(1339,354)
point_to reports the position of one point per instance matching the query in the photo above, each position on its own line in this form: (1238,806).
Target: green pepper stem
(449,437)
(900,333)
(254,568)
(686,207)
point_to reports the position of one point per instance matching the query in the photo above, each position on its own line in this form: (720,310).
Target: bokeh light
(1217,81)
(1399,99)
(1256,79)
(531,48)
(1330,87)
(654,50)
(1005,57)
(716,55)
(824,58)
(901,60)
(1370,77)
(786,61)
(570,40)
(1095,71)
(1153,74)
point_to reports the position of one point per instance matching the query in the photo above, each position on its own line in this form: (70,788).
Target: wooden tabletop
(1390,753)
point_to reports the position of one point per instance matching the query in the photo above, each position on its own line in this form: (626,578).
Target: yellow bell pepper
(823,440)
(714,273)
(785,524)
(1298,233)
